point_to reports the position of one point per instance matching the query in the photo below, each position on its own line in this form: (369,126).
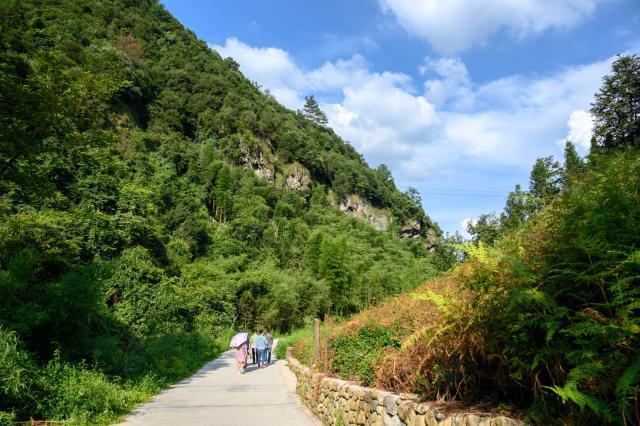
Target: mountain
(152,198)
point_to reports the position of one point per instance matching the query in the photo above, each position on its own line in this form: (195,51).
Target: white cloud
(455,25)
(464,224)
(455,124)
(452,84)
(378,112)
(580,126)
(274,69)
(513,121)
(445,131)
(269,66)
(382,117)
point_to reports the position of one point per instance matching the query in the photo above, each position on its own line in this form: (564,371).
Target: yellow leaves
(485,255)
(429,296)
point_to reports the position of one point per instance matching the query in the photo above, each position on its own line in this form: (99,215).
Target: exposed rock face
(411,229)
(360,208)
(254,159)
(431,238)
(297,177)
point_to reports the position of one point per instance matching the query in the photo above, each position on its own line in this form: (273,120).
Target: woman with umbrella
(241,344)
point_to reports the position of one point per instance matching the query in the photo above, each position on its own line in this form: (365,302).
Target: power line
(460,192)
(452,194)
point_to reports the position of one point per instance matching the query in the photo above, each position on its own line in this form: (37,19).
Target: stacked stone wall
(339,402)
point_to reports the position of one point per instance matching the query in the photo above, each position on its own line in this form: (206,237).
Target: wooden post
(316,336)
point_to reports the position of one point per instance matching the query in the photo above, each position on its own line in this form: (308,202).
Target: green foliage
(544,319)
(290,340)
(354,355)
(574,165)
(561,294)
(545,180)
(15,369)
(88,396)
(312,111)
(485,230)
(616,109)
(143,212)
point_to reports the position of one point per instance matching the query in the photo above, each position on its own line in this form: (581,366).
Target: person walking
(269,347)
(261,346)
(254,353)
(241,357)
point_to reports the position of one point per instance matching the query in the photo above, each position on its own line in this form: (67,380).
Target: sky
(457,97)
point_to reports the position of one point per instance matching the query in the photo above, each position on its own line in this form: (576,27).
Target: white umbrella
(238,339)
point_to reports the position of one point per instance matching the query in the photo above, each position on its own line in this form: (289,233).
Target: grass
(302,336)
(82,394)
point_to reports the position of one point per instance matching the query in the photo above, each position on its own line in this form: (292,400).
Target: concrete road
(217,395)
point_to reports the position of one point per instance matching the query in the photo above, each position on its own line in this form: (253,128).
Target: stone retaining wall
(337,402)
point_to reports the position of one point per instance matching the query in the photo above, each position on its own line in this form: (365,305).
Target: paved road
(217,395)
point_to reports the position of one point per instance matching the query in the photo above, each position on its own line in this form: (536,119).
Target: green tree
(385,174)
(545,180)
(616,109)
(414,196)
(333,269)
(518,207)
(486,229)
(314,247)
(312,111)
(223,195)
(573,164)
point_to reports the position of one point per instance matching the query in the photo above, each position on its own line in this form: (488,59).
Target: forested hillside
(152,198)
(541,317)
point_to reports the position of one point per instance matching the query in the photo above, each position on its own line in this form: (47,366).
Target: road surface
(217,395)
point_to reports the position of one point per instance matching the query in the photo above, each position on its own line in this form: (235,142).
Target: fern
(627,384)
(570,391)
(484,254)
(439,300)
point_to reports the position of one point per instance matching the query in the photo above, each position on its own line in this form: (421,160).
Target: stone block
(430,421)
(409,396)
(372,419)
(411,418)
(361,418)
(505,421)
(404,408)
(472,420)
(388,420)
(390,404)
(419,420)
(421,408)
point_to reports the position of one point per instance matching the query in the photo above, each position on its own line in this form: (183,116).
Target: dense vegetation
(543,314)
(146,209)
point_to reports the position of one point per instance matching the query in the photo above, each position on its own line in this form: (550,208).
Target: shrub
(355,356)
(16,374)
(546,320)
(82,395)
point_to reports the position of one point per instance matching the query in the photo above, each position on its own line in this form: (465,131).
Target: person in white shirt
(254,352)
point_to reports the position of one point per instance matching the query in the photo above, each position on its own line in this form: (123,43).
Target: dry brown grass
(438,340)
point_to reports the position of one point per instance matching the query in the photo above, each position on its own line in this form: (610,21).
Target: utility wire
(455,192)
(450,194)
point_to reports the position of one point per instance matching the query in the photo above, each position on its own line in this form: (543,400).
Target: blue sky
(457,97)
